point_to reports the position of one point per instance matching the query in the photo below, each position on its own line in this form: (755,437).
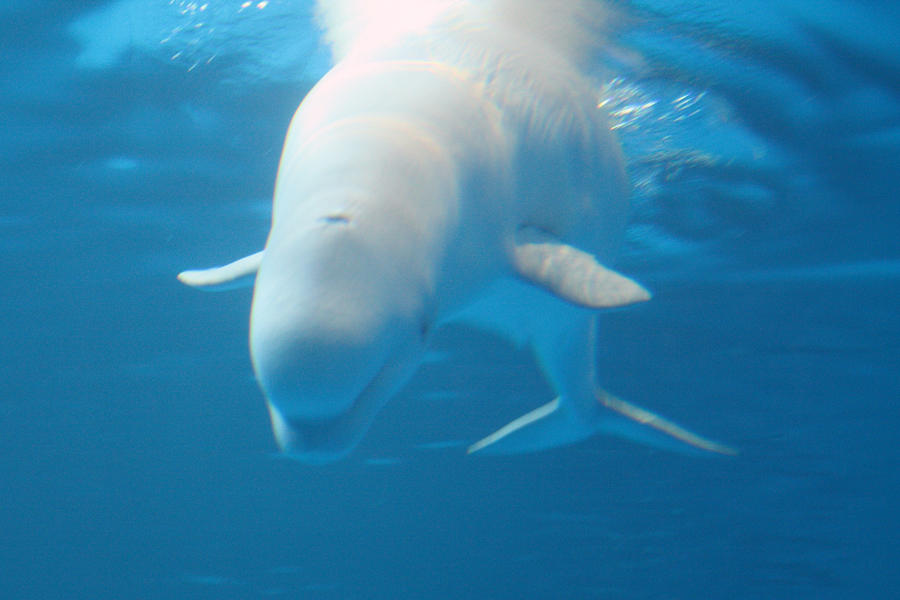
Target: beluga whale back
(452,166)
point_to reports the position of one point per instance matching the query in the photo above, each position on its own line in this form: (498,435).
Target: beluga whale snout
(453,166)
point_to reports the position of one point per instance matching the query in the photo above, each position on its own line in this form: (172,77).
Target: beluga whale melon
(453,165)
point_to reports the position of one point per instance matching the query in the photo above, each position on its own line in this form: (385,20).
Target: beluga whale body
(452,166)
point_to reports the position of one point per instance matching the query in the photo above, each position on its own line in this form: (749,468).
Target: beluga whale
(452,166)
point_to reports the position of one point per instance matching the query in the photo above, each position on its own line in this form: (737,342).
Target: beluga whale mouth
(453,166)
(319,441)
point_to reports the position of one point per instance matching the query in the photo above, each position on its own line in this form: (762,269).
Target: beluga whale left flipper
(572,274)
(452,166)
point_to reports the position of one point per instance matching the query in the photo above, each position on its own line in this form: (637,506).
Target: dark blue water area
(136,456)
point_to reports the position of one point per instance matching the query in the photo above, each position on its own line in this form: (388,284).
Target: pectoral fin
(574,275)
(240,273)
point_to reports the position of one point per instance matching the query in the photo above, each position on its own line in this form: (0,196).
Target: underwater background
(141,137)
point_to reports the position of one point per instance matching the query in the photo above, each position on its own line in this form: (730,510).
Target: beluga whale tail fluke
(452,166)
(552,425)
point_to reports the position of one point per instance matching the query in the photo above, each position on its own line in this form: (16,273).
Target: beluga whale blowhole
(453,165)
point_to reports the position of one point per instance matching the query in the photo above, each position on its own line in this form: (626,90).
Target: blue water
(141,137)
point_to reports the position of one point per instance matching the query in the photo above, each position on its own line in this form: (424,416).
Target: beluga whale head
(328,337)
(344,292)
(328,346)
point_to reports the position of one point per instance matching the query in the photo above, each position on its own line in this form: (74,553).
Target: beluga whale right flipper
(237,274)
(453,165)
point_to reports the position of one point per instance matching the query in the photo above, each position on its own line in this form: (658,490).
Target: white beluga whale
(452,166)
